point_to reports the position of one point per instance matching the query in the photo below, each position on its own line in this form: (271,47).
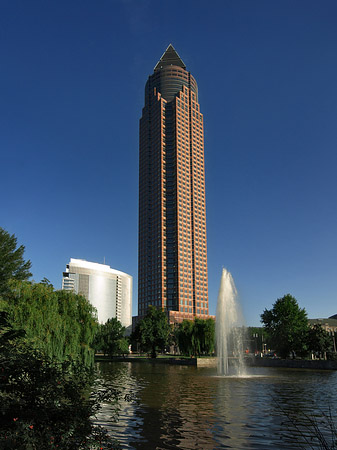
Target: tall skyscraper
(172,265)
(172,213)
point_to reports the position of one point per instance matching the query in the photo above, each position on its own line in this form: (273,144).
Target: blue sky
(72,80)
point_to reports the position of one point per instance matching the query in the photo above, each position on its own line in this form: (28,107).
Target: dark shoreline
(317,364)
(139,359)
(211,362)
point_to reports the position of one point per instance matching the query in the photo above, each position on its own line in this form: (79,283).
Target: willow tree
(79,325)
(207,339)
(61,324)
(196,338)
(185,337)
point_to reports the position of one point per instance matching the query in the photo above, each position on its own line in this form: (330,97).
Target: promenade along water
(179,407)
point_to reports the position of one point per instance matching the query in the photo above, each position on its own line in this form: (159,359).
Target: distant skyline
(72,90)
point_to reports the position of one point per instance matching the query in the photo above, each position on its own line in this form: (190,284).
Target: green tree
(12,264)
(209,336)
(111,339)
(185,337)
(152,333)
(287,326)
(61,324)
(203,336)
(196,338)
(46,282)
(319,341)
(7,332)
(46,404)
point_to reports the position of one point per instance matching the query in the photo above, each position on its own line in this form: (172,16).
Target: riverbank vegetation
(47,393)
(110,339)
(153,334)
(60,324)
(289,332)
(196,338)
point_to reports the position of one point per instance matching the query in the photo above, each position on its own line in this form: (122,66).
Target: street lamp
(255,336)
(333,340)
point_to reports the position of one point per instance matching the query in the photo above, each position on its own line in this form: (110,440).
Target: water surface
(182,407)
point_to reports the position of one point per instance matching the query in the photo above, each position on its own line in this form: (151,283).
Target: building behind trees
(107,289)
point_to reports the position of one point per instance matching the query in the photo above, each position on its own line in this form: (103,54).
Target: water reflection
(187,408)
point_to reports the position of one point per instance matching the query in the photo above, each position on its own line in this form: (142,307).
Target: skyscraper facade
(172,265)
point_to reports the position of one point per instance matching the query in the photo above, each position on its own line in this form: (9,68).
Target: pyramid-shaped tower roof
(170,58)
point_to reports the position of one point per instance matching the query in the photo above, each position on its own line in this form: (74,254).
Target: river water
(185,408)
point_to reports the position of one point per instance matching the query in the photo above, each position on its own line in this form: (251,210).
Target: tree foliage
(205,336)
(197,337)
(319,340)
(59,323)
(45,358)
(287,326)
(152,333)
(12,264)
(7,332)
(111,339)
(185,337)
(45,404)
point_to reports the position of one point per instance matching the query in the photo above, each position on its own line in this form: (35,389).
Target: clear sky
(72,78)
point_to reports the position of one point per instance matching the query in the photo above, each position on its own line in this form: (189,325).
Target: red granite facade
(172,271)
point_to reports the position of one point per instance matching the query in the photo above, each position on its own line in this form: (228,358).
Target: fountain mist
(229,328)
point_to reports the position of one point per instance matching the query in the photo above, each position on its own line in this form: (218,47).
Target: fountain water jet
(229,327)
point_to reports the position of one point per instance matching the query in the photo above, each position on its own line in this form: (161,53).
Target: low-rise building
(107,289)
(329,325)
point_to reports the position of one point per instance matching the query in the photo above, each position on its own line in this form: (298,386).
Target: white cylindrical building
(107,289)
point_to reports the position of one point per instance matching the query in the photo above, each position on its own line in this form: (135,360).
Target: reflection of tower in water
(188,408)
(176,408)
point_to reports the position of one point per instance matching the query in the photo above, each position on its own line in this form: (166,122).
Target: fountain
(229,328)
